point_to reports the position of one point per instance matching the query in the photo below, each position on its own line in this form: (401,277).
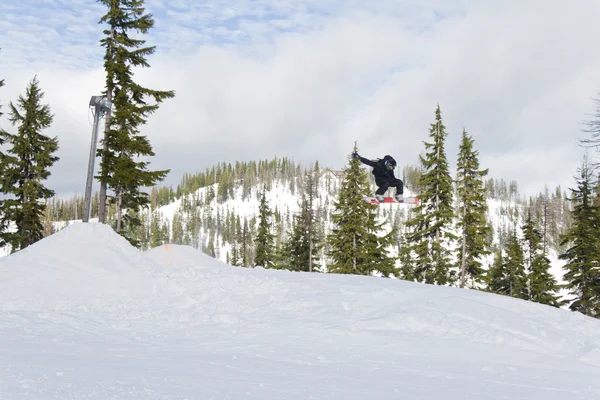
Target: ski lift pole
(102,106)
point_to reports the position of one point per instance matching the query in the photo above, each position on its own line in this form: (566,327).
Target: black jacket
(379,169)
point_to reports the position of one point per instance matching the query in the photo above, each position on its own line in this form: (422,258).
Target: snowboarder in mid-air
(383,170)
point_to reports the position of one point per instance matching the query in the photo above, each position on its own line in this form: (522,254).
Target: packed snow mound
(83,265)
(178,256)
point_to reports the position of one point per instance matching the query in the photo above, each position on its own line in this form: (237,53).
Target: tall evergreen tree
(155,238)
(120,168)
(303,244)
(514,267)
(24,166)
(507,274)
(406,270)
(431,234)
(355,246)
(177,229)
(265,247)
(496,277)
(310,222)
(582,268)
(471,213)
(246,247)
(543,287)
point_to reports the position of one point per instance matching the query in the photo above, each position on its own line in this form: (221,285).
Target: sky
(307,79)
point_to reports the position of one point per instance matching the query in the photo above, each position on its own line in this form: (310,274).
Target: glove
(355,156)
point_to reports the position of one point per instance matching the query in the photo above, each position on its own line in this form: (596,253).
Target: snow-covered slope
(503,215)
(86,316)
(281,197)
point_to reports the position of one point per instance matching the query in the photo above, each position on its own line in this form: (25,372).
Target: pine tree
(406,260)
(265,248)
(311,228)
(507,274)
(543,287)
(177,230)
(496,276)
(23,168)
(431,236)
(296,248)
(246,248)
(514,267)
(155,232)
(235,259)
(582,268)
(303,245)
(122,142)
(355,247)
(471,213)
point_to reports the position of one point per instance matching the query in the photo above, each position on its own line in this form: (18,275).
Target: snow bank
(84,265)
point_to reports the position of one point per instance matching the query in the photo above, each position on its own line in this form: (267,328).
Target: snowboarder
(383,170)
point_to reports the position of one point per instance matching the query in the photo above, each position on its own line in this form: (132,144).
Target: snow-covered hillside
(283,197)
(83,315)
(504,215)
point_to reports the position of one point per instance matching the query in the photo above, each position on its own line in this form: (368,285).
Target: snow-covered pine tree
(472,208)
(430,234)
(582,268)
(355,247)
(122,142)
(265,247)
(23,167)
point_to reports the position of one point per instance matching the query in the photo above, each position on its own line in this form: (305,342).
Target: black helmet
(390,163)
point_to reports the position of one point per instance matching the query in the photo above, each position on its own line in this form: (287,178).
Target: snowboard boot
(379,198)
(399,197)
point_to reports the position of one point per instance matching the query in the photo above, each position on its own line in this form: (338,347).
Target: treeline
(205,222)
(228,176)
(549,211)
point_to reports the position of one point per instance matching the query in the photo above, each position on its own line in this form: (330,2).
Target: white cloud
(306,80)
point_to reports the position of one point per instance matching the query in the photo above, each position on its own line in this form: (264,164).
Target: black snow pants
(385,183)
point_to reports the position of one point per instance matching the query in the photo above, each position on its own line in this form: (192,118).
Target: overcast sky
(306,79)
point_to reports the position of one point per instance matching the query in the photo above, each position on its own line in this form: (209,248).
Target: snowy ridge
(281,197)
(174,323)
